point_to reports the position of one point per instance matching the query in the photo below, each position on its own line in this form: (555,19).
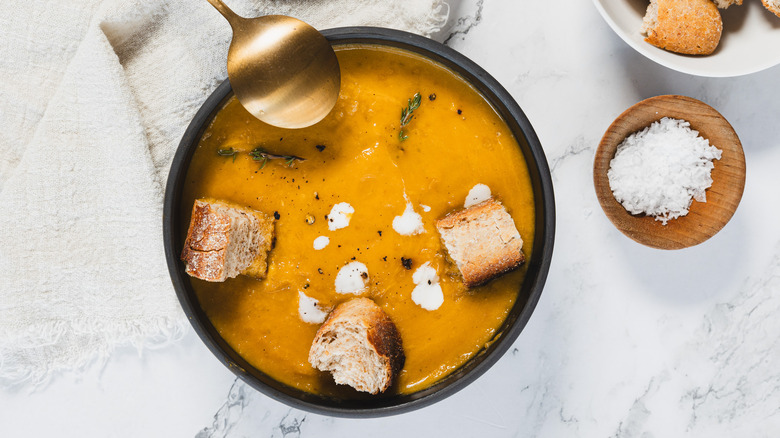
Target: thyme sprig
(228,152)
(406,114)
(261,155)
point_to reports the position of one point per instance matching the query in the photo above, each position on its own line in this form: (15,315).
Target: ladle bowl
(283,71)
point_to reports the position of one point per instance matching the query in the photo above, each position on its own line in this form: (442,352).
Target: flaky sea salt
(660,169)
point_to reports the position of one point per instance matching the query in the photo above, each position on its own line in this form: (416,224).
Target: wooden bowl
(704,219)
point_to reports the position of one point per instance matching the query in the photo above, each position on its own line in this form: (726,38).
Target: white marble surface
(626,341)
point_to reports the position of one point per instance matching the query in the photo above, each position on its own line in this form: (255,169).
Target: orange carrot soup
(361,160)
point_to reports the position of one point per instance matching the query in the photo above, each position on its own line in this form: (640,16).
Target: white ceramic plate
(750,40)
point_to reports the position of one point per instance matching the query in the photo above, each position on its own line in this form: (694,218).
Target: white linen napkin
(94,98)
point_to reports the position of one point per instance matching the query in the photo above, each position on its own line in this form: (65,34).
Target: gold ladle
(283,71)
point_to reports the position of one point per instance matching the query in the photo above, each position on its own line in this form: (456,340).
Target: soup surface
(454,141)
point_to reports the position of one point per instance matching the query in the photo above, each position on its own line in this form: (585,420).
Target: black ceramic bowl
(530,290)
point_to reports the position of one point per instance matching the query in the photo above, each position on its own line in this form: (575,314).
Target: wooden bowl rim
(704,220)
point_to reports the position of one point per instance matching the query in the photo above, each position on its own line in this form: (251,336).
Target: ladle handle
(226,12)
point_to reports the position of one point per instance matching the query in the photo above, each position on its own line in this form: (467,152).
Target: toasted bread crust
(381,335)
(773,6)
(211,238)
(483,241)
(724,4)
(384,336)
(691,27)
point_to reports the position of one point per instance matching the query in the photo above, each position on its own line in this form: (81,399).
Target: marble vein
(577,147)
(247,412)
(290,425)
(740,340)
(638,414)
(228,414)
(464,24)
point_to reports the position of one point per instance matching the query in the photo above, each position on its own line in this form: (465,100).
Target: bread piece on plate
(360,346)
(691,27)
(773,6)
(483,241)
(225,240)
(723,4)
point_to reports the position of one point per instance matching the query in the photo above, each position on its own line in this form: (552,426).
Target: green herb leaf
(228,152)
(406,114)
(260,154)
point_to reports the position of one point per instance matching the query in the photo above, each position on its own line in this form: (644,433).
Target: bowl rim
(538,266)
(654,53)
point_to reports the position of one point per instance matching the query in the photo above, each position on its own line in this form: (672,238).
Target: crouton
(360,346)
(773,6)
(225,240)
(691,27)
(483,241)
(724,4)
